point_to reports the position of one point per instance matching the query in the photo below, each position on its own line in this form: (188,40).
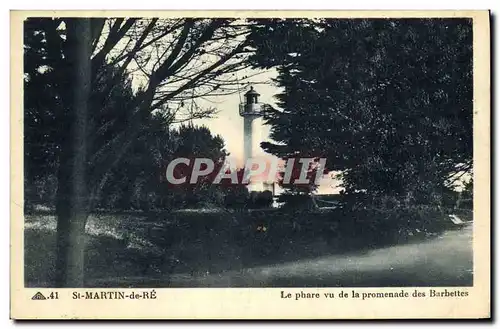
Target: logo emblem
(38,296)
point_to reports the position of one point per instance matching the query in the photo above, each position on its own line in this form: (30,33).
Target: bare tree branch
(162,71)
(180,71)
(97,27)
(150,42)
(115,35)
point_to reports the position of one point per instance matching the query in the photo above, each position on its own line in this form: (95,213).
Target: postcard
(250,165)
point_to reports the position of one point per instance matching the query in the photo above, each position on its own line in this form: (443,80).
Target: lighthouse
(251,111)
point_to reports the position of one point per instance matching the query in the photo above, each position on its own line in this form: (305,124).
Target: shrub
(295,201)
(236,197)
(260,199)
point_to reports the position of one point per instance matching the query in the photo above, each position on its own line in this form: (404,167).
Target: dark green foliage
(139,182)
(45,116)
(236,197)
(136,182)
(262,199)
(388,102)
(292,200)
(46,106)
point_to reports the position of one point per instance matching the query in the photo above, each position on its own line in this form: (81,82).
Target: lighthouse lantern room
(251,105)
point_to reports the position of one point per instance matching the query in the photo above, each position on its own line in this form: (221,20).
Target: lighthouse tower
(251,111)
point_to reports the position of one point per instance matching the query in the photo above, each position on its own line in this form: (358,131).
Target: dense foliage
(388,102)
(133,181)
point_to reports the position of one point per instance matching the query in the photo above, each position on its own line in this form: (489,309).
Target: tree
(71,203)
(139,182)
(388,102)
(198,142)
(171,60)
(44,114)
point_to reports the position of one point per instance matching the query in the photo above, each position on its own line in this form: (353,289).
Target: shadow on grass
(193,245)
(105,257)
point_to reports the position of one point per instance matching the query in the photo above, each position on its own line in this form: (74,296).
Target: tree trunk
(72,197)
(71,222)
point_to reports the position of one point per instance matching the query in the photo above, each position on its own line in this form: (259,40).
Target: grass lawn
(186,246)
